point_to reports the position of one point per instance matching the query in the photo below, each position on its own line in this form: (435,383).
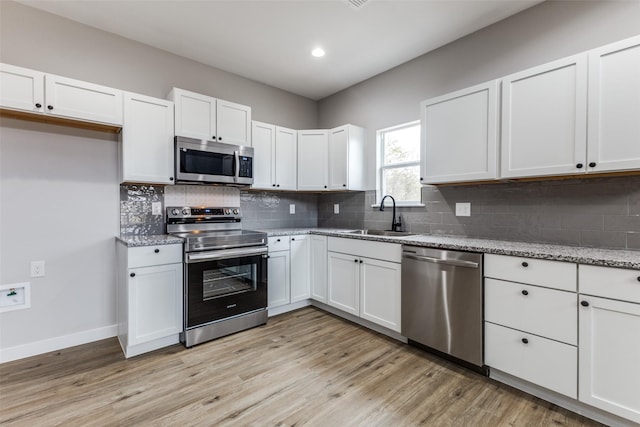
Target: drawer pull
(585,303)
(525,341)
(525,264)
(157,251)
(525,293)
(277,240)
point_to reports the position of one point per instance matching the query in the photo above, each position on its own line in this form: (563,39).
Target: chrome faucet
(395,226)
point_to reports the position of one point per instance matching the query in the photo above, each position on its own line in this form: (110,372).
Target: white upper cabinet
(313,155)
(204,117)
(33,91)
(275,156)
(346,158)
(460,135)
(614,107)
(147,140)
(286,158)
(544,119)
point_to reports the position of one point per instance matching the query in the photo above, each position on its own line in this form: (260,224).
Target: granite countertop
(149,240)
(581,255)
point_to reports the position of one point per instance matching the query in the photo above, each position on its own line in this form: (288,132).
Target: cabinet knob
(277,240)
(293,238)
(360,261)
(219,138)
(344,185)
(213,137)
(38,105)
(325,186)
(638,278)
(584,303)
(421,179)
(170,178)
(156,250)
(355,260)
(50,107)
(132,274)
(525,341)
(268,256)
(277,185)
(579,165)
(592,164)
(274,185)
(525,293)
(525,264)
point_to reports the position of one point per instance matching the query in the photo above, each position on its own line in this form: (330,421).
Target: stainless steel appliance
(225,274)
(442,300)
(213,162)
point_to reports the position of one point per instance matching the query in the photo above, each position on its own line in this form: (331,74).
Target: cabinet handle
(525,341)
(170,178)
(274,185)
(344,185)
(525,293)
(132,274)
(585,303)
(421,179)
(355,260)
(38,105)
(277,240)
(50,107)
(360,261)
(268,256)
(219,138)
(293,238)
(525,264)
(638,278)
(579,165)
(278,185)
(156,250)
(325,186)
(214,137)
(592,164)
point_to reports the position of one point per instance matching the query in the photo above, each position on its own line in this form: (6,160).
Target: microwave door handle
(237,154)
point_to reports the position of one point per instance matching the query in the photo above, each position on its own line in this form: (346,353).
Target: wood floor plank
(306,367)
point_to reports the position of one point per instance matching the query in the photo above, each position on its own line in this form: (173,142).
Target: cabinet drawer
(391,252)
(143,256)
(278,243)
(609,282)
(541,311)
(544,362)
(540,272)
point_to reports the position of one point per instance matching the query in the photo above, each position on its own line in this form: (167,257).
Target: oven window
(206,163)
(228,279)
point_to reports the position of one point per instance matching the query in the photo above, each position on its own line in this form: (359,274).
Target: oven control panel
(200,212)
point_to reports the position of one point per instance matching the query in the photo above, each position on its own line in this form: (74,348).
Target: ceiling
(270,41)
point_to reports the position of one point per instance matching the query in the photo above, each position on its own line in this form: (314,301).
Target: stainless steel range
(225,274)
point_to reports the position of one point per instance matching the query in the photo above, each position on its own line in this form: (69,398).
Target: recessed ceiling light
(318,52)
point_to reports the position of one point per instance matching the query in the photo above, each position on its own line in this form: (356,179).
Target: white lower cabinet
(149,297)
(300,289)
(288,271)
(279,286)
(318,267)
(364,280)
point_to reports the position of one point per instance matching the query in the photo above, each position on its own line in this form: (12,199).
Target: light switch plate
(336,208)
(292,209)
(463,209)
(37,268)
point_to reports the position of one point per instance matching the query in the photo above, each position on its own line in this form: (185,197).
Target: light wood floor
(304,368)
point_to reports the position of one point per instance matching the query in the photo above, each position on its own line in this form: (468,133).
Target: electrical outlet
(37,268)
(292,209)
(463,209)
(336,208)
(156,208)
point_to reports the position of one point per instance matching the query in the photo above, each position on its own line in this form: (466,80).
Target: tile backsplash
(594,212)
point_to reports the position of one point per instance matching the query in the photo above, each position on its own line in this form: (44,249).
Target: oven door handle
(225,254)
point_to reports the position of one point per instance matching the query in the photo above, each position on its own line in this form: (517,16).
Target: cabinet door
(464,122)
(279,287)
(380,293)
(263,138)
(147,140)
(155,302)
(609,353)
(300,268)
(339,158)
(21,88)
(81,100)
(544,112)
(286,158)
(614,107)
(318,268)
(313,152)
(344,282)
(233,123)
(195,114)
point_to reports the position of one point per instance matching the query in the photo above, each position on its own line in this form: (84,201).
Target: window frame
(381,168)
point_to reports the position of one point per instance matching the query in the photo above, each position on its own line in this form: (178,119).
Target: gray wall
(546,32)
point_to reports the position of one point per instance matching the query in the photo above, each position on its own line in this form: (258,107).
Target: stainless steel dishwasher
(442,302)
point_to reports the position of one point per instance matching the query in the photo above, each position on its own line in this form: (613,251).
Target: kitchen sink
(382,233)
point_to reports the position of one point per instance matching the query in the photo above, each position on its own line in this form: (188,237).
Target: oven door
(224,283)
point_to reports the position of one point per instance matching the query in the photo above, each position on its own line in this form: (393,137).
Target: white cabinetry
(275,156)
(609,346)
(288,271)
(346,158)
(531,321)
(149,297)
(147,140)
(614,107)
(313,158)
(318,267)
(204,117)
(466,122)
(364,280)
(55,96)
(544,119)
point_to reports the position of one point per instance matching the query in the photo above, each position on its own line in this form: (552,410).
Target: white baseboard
(57,343)
(288,307)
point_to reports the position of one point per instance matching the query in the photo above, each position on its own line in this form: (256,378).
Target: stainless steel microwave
(209,162)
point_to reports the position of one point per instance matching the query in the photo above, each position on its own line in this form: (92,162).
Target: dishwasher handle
(455,262)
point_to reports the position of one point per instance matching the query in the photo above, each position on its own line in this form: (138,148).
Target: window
(399,163)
